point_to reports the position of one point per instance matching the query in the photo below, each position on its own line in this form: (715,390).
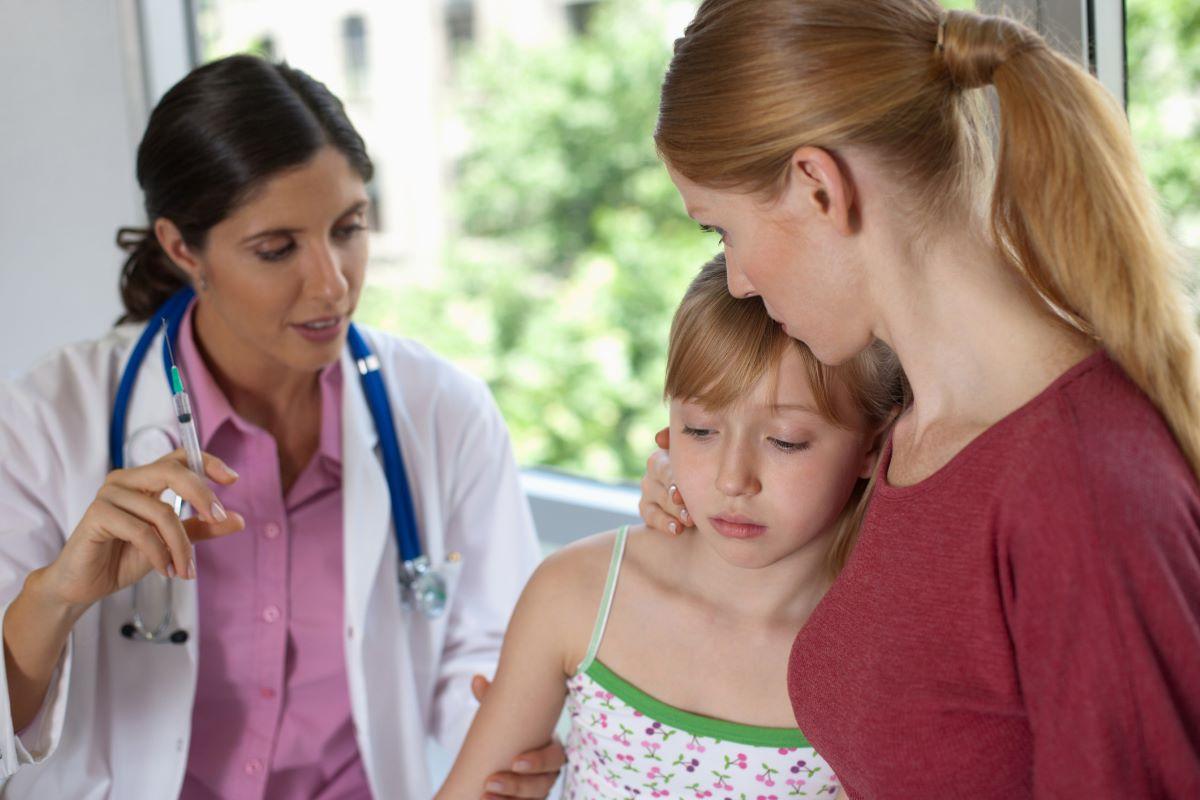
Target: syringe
(183,413)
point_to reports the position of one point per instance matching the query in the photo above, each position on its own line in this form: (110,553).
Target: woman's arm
(523,704)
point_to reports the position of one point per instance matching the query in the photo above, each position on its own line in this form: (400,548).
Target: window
(579,15)
(460,24)
(354,43)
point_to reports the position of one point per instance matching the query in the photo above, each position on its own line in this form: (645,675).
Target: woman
(1023,602)
(295,667)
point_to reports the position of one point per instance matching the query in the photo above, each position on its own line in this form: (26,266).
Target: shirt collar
(213,411)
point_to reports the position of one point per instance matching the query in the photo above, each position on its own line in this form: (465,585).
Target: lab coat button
(350,632)
(270,614)
(179,745)
(271,530)
(253,766)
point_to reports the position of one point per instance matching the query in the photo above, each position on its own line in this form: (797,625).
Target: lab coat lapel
(366,512)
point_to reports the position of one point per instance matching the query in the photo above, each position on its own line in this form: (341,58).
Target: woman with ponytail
(1020,615)
(290,661)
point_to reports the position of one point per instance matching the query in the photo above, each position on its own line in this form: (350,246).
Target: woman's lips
(737,527)
(325,329)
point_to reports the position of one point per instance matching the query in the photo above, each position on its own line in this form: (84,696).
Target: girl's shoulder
(568,587)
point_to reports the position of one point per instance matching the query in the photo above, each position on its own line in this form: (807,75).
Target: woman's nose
(739,285)
(326,277)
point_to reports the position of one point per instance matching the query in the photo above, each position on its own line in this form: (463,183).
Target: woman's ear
(818,182)
(172,243)
(876,442)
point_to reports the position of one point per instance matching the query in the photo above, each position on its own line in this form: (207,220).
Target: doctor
(292,665)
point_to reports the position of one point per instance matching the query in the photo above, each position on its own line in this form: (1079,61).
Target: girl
(671,655)
(1023,604)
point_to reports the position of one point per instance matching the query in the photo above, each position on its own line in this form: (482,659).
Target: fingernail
(192,569)
(672,491)
(522,766)
(673,527)
(218,511)
(230,470)
(494,786)
(171,571)
(683,514)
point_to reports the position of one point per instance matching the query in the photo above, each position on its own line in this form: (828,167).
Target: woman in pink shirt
(1021,614)
(297,672)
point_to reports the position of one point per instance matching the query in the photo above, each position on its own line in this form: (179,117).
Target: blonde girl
(1021,613)
(671,655)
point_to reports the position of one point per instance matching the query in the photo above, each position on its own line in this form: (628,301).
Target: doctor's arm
(520,709)
(125,532)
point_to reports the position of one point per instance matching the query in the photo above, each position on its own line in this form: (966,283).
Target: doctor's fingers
(114,523)
(199,531)
(520,786)
(172,473)
(161,517)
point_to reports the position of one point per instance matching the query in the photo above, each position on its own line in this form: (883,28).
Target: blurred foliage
(1163,52)
(573,250)
(573,247)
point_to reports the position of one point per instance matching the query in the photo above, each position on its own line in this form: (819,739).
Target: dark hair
(212,139)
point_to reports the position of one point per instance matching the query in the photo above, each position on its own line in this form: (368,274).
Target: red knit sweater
(1026,621)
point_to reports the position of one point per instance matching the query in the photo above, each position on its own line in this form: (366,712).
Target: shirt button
(253,767)
(270,614)
(267,693)
(271,530)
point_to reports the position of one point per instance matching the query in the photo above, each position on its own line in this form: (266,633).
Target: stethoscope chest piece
(422,587)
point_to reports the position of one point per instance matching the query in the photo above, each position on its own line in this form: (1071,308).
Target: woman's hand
(533,774)
(128,530)
(662,505)
(125,532)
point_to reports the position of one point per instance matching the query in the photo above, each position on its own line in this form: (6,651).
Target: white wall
(70,120)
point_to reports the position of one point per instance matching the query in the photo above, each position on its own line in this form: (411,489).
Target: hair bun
(974,46)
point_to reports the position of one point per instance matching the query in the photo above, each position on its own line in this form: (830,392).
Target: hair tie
(130,239)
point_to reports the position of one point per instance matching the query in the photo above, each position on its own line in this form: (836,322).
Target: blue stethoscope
(422,586)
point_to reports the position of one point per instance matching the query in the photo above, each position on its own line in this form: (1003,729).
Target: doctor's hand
(662,505)
(128,530)
(534,773)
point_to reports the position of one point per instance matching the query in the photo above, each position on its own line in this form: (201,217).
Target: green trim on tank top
(686,721)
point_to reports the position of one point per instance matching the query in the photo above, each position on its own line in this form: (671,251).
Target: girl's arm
(521,708)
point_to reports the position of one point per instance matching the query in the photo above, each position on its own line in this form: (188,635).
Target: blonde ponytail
(751,81)
(1075,213)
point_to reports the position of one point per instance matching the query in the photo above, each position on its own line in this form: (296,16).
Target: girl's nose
(737,476)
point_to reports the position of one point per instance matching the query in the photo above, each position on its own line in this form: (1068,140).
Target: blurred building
(393,64)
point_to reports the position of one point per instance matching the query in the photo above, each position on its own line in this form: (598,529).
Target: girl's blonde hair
(721,347)
(1070,208)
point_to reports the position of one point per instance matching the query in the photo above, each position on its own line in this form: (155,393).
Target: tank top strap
(610,588)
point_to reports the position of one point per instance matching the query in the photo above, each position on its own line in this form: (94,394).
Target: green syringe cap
(176,381)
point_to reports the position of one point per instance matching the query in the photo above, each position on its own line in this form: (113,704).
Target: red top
(1026,621)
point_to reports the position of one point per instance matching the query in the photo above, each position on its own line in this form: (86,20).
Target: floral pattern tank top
(624,744)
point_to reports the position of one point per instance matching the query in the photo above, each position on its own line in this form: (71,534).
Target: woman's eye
(278,254)
(786,446)
(347,231)
(697,433)
(711,229)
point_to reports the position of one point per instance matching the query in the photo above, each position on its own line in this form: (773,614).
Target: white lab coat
(117,718)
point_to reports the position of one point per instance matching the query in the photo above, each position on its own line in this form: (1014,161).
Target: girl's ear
(876,442)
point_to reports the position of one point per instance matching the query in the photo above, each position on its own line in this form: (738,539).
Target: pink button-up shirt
(271,717)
